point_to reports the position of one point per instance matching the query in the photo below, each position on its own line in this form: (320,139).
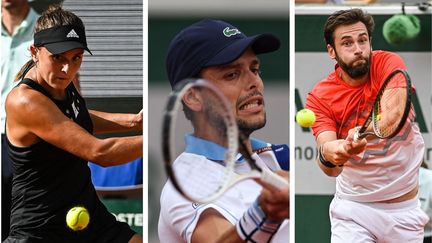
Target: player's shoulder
(260,146)
(381,55)
(173,203)
(169,215)
(276,156)
(325,86)
(383,63)
(24,98)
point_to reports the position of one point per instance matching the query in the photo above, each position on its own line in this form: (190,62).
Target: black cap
(62,39)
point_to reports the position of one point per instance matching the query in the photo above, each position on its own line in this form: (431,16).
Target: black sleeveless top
(48,181)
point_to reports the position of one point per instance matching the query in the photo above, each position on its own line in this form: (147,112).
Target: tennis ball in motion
(77,218)
(305,118)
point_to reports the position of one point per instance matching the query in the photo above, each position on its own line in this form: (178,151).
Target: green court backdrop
(127,210)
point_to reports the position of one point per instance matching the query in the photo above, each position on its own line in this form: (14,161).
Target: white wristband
(254,227)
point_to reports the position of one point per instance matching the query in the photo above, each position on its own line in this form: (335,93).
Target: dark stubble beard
(214,113)
(357,71)
(216,120)
(247,127)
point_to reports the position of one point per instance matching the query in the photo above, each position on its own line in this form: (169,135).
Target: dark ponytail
(24,69)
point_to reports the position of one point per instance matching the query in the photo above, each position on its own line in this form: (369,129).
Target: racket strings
(390,110)
(206,169)
(202,178)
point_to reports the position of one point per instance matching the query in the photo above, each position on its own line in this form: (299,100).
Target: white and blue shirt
(179,216)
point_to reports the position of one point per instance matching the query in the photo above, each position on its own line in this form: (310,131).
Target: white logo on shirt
(75,110)
(72,34)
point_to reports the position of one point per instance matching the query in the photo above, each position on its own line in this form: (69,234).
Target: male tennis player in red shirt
(376,179)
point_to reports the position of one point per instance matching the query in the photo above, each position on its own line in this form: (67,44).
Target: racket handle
(356,135)
(273,179)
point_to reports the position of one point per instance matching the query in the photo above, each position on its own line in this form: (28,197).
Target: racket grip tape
(356,135)
(360,133)
(254,226)
(273,179)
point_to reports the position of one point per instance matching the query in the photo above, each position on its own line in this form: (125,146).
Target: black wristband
(323,161)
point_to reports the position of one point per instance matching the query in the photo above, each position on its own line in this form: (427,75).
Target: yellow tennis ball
(305,118)
(77,218)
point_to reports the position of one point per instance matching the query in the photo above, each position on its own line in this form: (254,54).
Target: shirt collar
(208,149)
(213,151)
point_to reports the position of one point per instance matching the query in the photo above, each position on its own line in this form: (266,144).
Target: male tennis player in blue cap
(220,53)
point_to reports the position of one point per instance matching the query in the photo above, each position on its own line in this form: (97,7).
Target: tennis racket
(391,108)
(227,161)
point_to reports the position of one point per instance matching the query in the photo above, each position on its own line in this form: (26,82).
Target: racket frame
(168,137)
(361,132)
(236,141)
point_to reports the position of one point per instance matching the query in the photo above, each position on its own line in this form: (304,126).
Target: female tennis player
(50,137)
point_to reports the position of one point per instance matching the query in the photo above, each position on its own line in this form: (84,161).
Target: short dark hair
(347,17)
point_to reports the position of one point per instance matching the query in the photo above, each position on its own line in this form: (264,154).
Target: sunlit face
(58,70)
(241,83)
(352,49)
